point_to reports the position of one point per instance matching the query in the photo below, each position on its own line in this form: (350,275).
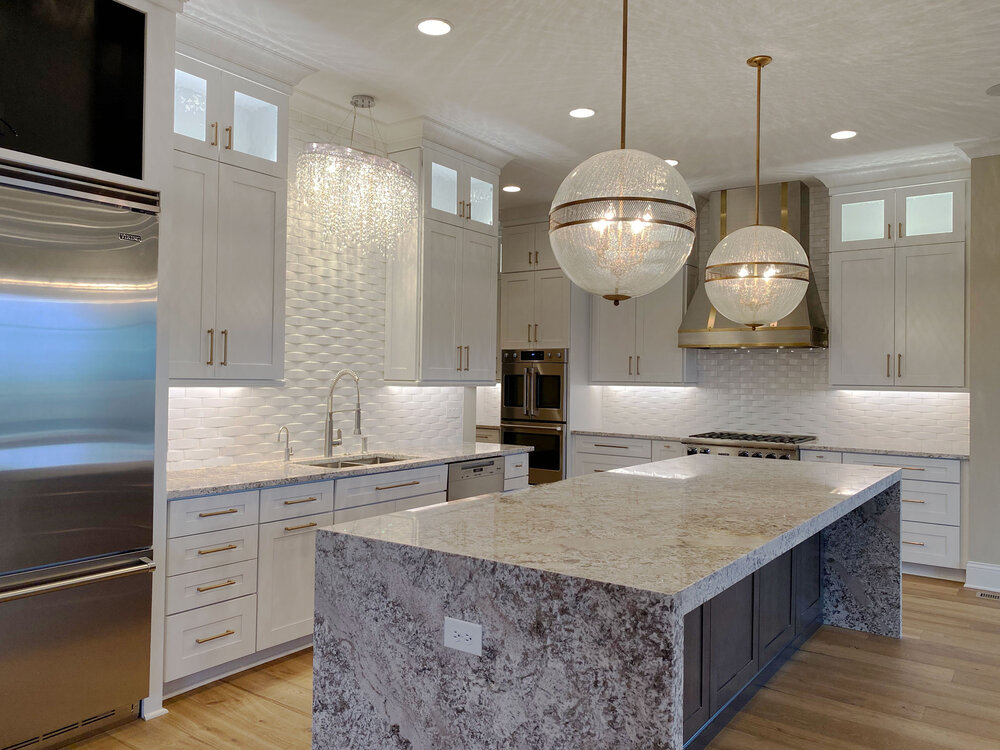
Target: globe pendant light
(360,199)
(758,274)
(622,223)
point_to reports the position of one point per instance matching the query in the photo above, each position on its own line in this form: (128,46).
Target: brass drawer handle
(466,358)
(214,637)
(225,347)
(536,333)
(518,466)
(218,513)
(920,502)
(915,544)
(396,486)
(888,365)
(536,257)
(211,347)
(904,468)
(217,549)
(459,368)
(229,144)
(302,526)
(203,589)
(529,257)
(608,445)
(303,500)
(598,471)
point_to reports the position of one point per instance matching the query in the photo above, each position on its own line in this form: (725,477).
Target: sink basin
(349,462)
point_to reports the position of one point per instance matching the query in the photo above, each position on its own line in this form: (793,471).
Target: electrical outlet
(463,636)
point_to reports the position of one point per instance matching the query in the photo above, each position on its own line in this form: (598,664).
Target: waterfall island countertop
(592,573)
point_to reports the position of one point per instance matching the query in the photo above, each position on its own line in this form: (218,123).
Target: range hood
(784,205)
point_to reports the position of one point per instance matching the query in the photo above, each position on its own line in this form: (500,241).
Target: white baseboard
(984,576)
(154,714)
(933,571)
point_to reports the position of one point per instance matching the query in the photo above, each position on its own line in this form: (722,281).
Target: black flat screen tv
(71,82)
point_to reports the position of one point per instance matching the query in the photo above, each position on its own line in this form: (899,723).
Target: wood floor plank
(98,742)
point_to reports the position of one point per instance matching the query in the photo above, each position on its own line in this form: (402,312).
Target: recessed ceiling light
(671,162)
(512,188)
(434,27)
(993,90)
(581,112)
(842,135)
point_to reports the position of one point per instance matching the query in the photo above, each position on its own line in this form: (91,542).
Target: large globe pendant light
(622,223)
(758,274)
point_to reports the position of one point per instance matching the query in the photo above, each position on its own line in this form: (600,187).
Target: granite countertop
(251,476)
(688,527)
(900,449)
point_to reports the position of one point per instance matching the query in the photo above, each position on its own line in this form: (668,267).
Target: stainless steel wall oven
(534,406)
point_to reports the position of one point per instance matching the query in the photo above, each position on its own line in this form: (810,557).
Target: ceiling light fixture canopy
(758,274)
(622,223)
(843,135)
(360,199)
(434,27)
(581,113)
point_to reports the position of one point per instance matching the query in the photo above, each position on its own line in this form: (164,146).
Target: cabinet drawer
(421,501)
(211,586)
(279,503)
(931,502)
(487,435)
(390,485)
(515,483)
(196,515)
(914,467)
(590,463)
(515,466)
(613,446)
(664,449)
(202,551)
(363,511)
(209,636)
(825,457)
(930,544)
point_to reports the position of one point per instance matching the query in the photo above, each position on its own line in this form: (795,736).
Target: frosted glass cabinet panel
(255,124)
(459,193)
(444,189)
(481,201)
(190,105)
(930,214)
(862,221)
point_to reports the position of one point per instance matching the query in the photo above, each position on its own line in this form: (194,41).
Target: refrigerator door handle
(145,566)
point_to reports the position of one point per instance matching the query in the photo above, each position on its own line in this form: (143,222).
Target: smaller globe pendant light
(622,223)
(758,274)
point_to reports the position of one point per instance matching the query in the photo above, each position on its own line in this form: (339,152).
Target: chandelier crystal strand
(622,223)
(758,274)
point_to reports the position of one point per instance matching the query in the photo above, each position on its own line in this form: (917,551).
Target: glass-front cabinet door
(443,188)
(196,115)
(930,214)
(481,211)
(862,221)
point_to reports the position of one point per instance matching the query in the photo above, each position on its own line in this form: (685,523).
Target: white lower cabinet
(211,586)
(209,636)
(286,566)
(593,463)
(599,453)
(930,544)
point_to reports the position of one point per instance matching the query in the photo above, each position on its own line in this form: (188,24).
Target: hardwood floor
(937,689)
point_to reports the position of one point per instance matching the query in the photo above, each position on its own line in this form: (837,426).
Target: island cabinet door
(733,641)
(696,665)
(776,611)
(807,577)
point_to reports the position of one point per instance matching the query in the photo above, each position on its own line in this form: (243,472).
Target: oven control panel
(535,355)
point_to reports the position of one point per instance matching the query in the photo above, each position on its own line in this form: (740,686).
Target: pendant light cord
(624,62)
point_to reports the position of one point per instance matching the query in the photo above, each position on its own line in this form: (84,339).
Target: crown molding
(935,164)
(980,147)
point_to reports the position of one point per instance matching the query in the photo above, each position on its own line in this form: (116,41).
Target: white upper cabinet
(222,116)
(459,192)
(526,247)
(897,217)
(534,310)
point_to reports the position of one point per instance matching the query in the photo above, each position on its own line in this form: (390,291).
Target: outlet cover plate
(463,636)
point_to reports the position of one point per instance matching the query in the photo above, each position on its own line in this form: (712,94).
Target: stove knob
(770,455)
(744,454)
(704,450)
(758,455)
(784,457)
(692,451)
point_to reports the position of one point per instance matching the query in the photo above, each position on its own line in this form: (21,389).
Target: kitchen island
(583,589)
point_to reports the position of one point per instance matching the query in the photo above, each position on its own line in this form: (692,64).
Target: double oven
(534,388)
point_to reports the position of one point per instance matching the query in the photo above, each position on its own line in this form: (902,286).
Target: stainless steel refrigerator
(77,372)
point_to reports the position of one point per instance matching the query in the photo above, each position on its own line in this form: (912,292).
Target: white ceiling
(909,76)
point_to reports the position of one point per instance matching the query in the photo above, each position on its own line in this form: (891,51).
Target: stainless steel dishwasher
(479,477)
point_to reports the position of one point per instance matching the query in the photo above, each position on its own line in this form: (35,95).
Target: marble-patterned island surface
(581,588)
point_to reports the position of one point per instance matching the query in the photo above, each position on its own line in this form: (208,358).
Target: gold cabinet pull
(459,368)
(301,526)
(225,347)
(915,544)
(229,142)
(214,637)
(397,486)
(904,468)
(216,549)
(888,229)
(215,134)
(536,257)
(211,347)
(919,502)
(518,466)
(461,209)
(218,513)
(529,333)
(888,365)
(529,257)
(608,445)
(203,589)
(536,333)
(900,235)
(637,364)
(303,500)
(630,364)
(899,366)
(466,358)
(599,471)
(468,210)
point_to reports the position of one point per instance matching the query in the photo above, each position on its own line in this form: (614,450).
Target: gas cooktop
(751,437)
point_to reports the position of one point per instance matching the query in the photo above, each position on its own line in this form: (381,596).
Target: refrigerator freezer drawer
(73,651)
(209,636)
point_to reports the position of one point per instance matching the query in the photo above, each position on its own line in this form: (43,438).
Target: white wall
(335,309)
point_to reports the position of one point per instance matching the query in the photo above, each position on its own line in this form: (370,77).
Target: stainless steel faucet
(329,441)
(288,437)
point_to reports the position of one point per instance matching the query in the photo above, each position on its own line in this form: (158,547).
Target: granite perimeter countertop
(252,476)
(900,449)
(688,527)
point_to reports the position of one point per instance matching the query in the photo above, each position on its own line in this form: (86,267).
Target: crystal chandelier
(758,274)
(360,199)
(622,223)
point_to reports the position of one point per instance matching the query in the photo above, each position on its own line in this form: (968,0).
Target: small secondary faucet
(288,437)
(329,441)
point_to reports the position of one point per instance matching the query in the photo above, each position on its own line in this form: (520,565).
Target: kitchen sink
(349,462)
